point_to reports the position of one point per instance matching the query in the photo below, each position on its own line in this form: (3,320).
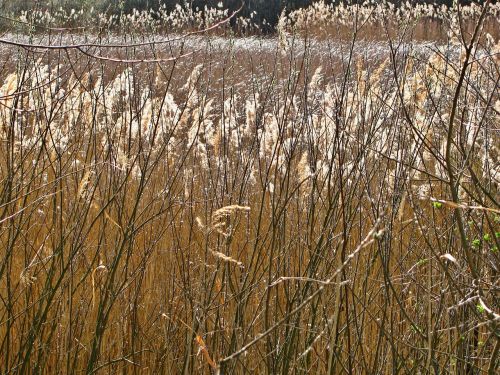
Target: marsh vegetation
(322,200)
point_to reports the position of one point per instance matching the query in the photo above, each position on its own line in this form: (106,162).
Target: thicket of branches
(250,205)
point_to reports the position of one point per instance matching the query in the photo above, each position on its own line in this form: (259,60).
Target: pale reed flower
(316,80)
(303,167)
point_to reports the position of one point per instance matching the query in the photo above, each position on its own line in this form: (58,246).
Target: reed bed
(382,20)
(283,212)
(376,19)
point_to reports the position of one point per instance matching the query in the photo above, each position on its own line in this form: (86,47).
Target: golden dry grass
(287,214)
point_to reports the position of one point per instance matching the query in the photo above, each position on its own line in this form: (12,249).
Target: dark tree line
(268,10)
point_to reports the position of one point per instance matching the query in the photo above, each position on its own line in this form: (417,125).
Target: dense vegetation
(268,10)
(324,200)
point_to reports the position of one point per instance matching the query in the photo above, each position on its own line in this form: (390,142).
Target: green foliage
(437,204)
(480,308)
(421,262)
